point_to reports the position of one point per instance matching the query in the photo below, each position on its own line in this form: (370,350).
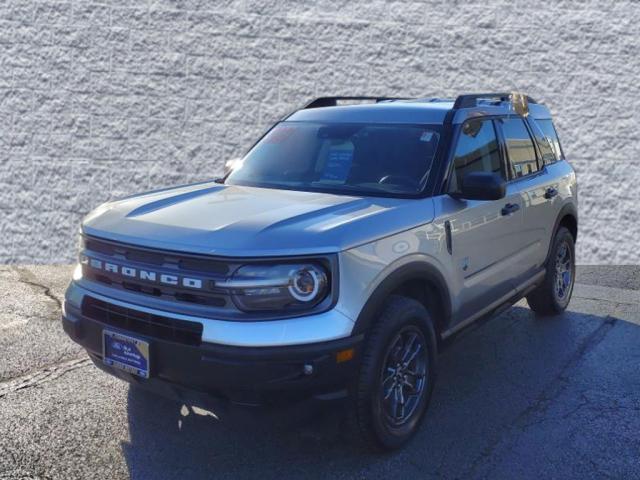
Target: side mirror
(483,186)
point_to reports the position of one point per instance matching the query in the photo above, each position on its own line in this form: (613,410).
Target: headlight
(81,243)
(278,287)
(77,272)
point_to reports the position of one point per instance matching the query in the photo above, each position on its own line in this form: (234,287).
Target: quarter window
(552,136)
(522,154)
(477,150)
(544,144)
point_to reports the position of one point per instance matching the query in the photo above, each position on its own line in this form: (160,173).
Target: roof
(397,111)
(409,111)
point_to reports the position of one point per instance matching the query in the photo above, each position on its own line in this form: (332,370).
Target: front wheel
(397,375)
(553,295)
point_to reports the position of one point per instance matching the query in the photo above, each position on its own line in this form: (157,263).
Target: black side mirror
(482,186)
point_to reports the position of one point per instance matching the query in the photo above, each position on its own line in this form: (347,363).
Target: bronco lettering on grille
(145,275)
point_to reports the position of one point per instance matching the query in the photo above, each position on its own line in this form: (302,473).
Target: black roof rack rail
(333,101)
(471,100)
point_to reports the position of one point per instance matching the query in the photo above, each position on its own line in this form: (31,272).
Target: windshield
(341,158)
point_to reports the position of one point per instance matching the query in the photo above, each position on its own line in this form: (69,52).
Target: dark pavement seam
(23,278)
(542,402)
(46,374)
(617,302)
(546,397)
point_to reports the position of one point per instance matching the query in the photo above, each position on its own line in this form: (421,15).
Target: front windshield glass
(341,158)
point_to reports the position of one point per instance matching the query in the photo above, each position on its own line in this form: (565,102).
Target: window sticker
(338,165)
(426,136)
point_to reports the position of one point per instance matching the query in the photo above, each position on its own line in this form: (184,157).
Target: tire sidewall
(399,313)
(563,235)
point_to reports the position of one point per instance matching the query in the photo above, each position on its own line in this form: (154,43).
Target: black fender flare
(568,209)
(416,270)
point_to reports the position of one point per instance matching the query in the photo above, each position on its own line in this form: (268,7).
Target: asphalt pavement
(517,397)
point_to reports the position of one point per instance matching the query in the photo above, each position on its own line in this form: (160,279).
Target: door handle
(550,193)
(510,208)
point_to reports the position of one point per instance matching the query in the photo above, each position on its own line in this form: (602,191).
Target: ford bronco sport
(332,259)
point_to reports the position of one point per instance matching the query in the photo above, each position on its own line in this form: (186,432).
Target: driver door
(485,236)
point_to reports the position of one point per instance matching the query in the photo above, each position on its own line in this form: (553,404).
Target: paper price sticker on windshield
(426,136)
(338,165)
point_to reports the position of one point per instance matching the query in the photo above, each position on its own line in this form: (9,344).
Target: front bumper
(241,374)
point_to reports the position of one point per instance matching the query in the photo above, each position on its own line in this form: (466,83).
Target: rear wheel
(553,296)
(396,377)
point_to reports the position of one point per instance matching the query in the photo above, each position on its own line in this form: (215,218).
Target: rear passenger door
(554,180)
(535,187)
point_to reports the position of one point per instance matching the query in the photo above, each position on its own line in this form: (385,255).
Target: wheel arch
(568,217)
(418,280)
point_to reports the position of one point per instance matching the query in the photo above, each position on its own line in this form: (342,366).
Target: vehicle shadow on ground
(489,377)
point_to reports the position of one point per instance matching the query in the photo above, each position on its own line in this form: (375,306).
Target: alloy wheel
(404,376)
(563,272)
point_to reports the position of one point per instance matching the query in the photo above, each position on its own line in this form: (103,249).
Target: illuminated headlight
(81,243)
(279,287)
(77,272)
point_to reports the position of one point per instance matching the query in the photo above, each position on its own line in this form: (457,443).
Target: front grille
(173,263)
(162,291)
(151,257)
(147,324)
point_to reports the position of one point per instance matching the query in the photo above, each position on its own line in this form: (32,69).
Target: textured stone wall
(99,100)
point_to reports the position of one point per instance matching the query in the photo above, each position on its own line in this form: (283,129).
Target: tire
(401,320)
(553,295)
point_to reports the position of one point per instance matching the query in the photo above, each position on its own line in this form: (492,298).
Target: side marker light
(345,355)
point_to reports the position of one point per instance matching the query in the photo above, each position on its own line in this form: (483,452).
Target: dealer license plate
(126,353)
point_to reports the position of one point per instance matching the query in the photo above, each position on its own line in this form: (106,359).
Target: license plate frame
(126,352)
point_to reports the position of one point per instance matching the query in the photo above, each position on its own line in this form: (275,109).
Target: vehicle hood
(230,220)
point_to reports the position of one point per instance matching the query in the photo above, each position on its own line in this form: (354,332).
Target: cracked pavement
(517,397)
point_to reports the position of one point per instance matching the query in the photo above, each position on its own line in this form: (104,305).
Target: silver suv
(334,257)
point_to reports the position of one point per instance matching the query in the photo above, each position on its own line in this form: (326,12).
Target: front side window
(522,154)
(341,158)
(476,151)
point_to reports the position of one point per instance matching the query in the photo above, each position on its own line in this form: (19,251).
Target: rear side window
(477,150)
(522,154)
(550,133)
(544,144)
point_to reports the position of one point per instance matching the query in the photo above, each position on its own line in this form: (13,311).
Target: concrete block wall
(99,100)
